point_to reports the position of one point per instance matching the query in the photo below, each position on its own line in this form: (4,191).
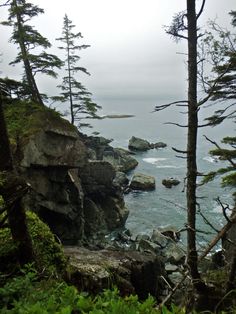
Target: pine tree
(74,91)
(220,47)
(28,39)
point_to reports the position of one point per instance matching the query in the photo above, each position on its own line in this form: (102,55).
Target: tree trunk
(11,192)
(36,97)
(192,258)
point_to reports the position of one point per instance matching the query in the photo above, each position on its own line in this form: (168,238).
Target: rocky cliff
(73,194)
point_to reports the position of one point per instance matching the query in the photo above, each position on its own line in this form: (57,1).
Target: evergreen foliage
(220,46)
(28,40)
(74,91)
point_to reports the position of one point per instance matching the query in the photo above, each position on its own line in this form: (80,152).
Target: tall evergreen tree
(28,38)
(73,91)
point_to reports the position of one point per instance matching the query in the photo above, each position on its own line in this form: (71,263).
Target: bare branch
(177,124)
(179,151)
(219,236)
(201,9)
(224,208)
(162,107)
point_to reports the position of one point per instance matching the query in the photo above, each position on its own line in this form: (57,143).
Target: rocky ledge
(72,192)
(132,272)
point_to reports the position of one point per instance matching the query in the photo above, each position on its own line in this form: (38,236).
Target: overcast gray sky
(130,54)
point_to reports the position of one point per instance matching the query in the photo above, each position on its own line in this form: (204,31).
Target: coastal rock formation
(132,272)
(139,144)
(143,182)
(74,195)
(136,143)
(168,183)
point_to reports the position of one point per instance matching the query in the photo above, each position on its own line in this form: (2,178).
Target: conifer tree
(74,91)
(27,38)
(220,47)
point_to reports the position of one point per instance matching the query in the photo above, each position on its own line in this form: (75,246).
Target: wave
(153,161)
(211,159)
(158,162)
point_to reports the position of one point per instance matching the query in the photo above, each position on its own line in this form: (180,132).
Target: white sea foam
(211,159)
(153,161)
(160,163)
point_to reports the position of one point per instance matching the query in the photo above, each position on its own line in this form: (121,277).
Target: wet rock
(140,237)
(159,238)
(143,182)
(145,245)
(138,144)
(169,231)
(168,183)
(97,176)
(121,179)
(132,272)
(121,159)
(160,145)
(173,253)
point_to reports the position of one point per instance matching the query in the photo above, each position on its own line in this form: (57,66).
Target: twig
(223,209)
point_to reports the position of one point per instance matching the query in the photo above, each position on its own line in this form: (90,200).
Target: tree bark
(12,191)
(192,258)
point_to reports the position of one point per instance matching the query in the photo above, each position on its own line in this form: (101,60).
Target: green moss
(26,118)
(49,256)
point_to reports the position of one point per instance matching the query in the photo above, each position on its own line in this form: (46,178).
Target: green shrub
(49,256)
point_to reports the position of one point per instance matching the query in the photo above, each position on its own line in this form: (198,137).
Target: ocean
(163,206)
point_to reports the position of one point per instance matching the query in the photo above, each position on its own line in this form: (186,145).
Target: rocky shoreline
(77,188)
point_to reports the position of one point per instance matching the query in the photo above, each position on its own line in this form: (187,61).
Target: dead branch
(162,107)
(219,236)
(224,208)
(179,151)
(201,9)
(176,124)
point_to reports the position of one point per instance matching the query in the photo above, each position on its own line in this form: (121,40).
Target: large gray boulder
(132,272)
(143,182)
(136,143)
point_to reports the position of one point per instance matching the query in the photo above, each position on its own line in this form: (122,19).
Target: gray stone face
(132,272)
(121,179)
(54,148)
(73,195)
(168,183)
(139,144)
(143,182)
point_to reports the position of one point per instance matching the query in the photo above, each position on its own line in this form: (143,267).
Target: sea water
(163,206)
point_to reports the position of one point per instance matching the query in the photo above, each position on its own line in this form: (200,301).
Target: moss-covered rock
(49,256)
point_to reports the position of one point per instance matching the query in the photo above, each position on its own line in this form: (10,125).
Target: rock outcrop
(99,149)
(168,183)
(139,144)
(73,194)
(141,181)
(132,272)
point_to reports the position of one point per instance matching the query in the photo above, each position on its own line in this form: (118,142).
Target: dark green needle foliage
(73,91)
(32,45)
